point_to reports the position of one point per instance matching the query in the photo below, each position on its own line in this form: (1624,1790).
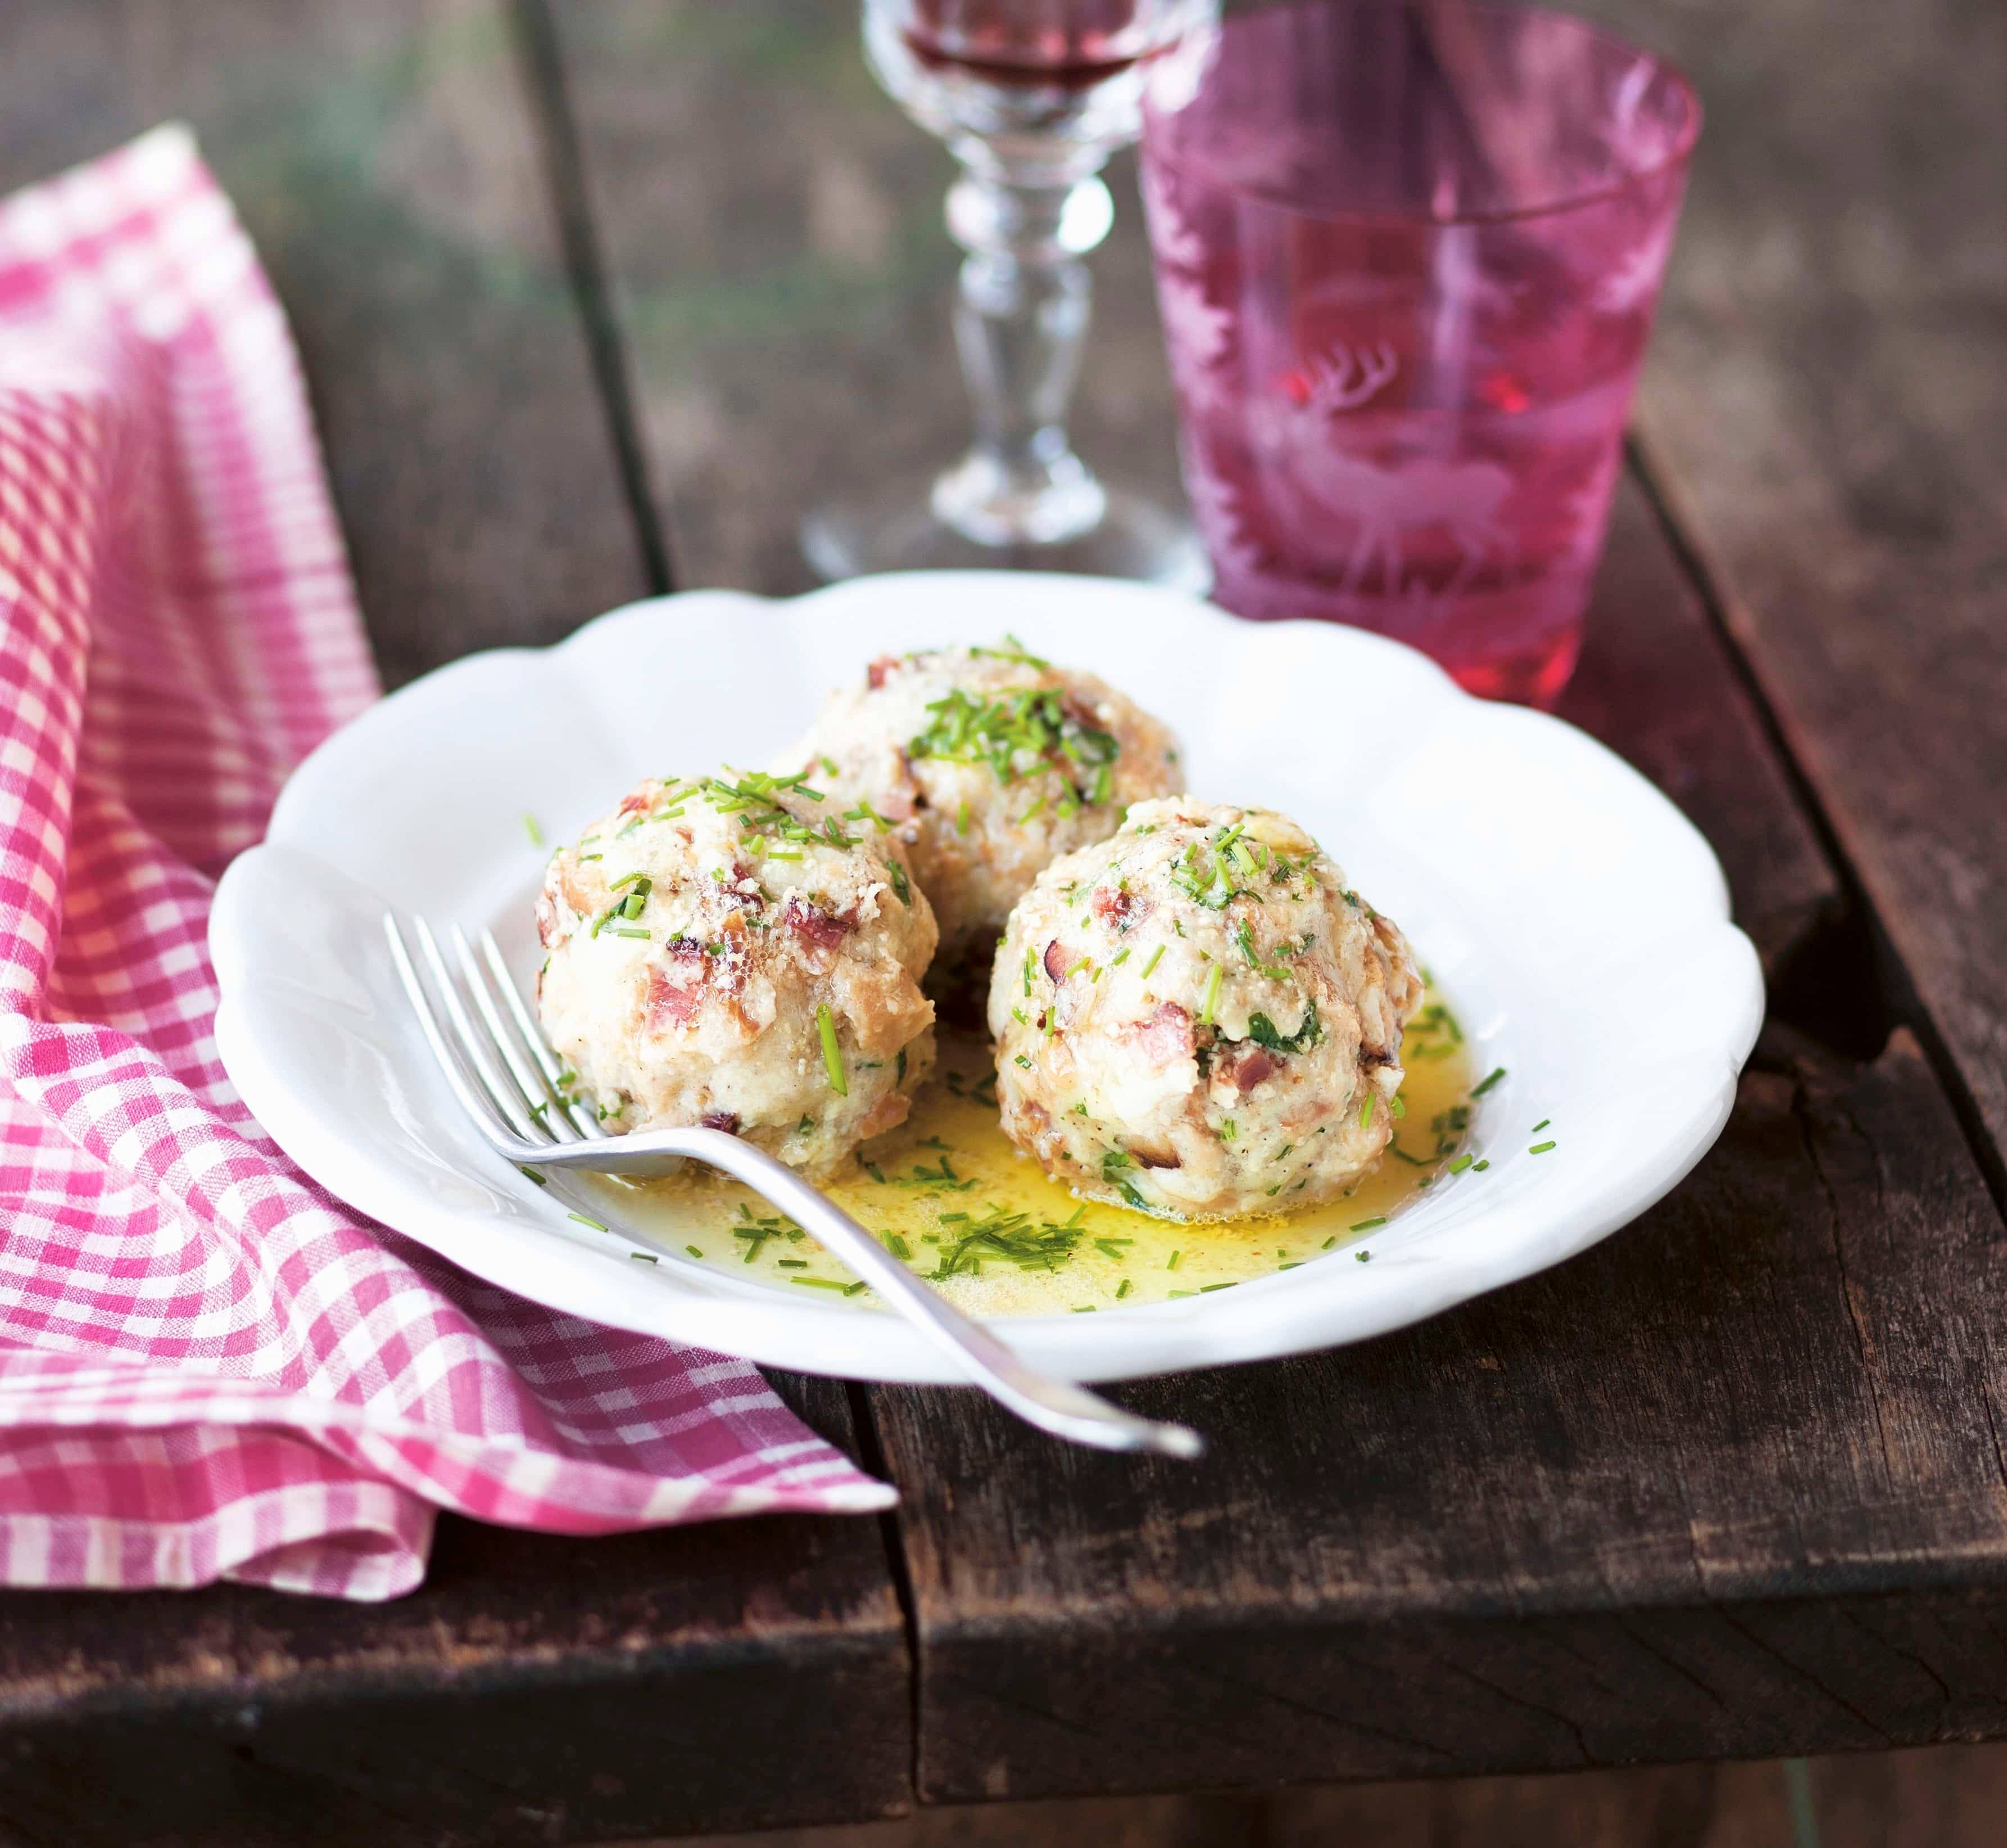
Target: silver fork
(507,1079)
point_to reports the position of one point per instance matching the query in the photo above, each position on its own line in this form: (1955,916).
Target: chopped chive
(645,1257)
(1085,962)
(1227,1129)
(1118,959)
(1541,1125)
(531,828)
(1398,1106)
(693,1250)
(961,819)
(1367,1225)
(1085,1308)
(898,1245)
(583,1221)
(1184,1292)
(1366,1114)
(629,879)
(832,1058)
(1329,1243)
(1211,995)
(1172,1263)
(1461,1163)
(532,1174)
(854,1289)
(1154,954)
(1479,1090)
(1207,1288)
(1122,1290)
(640,930)
(1480,1167)
(1539,1148)
(820,1283)
(1363,1256)
(899,882)
(792,1264)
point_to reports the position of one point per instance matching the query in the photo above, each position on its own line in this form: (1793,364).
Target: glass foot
(894,527)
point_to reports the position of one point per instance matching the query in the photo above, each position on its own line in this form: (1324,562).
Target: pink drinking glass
(1407,256)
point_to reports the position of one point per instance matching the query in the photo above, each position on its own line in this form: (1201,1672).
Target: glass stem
(1021,319)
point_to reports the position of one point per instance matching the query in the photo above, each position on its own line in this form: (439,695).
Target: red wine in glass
(1073,44)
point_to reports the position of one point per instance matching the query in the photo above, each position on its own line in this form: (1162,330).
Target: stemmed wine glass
(1031,97)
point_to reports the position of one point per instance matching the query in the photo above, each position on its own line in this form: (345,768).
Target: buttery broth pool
(929,1187)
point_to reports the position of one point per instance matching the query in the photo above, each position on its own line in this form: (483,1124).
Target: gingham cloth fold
(208,1367)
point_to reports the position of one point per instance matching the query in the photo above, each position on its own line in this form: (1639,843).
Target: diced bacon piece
(675,995)
(815,925)
(727,1120)
(875,673)
(1244,1066)
(1056,960)
(1118,907)
(1166,1036)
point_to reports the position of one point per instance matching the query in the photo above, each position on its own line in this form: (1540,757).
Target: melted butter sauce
(951,1158)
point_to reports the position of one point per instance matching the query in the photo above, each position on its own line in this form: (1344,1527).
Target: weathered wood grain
(1947,1797)
(1688,1806)
(381,157)
(536,1689)
(1656,684)
(1826,394)
(1728,1484)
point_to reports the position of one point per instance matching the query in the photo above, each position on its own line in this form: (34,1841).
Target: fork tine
(535,1096)
(473,1048)
(480,1108)
(548,1062)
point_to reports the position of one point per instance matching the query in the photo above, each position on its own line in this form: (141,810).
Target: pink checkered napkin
(208,1367)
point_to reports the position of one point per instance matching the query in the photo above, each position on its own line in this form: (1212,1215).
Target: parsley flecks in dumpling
(729,951)
(1199,1016)
(987,762)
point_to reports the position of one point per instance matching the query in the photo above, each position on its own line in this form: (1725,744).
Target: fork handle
(1054,1404)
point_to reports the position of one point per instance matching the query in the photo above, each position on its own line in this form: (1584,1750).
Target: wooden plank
(381,157)
(535,1689)
(1727,1485)
(1656,685)
(1687,1806)
(809,227)
(1826,395)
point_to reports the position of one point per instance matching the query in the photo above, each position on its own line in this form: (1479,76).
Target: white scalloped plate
(1577,921)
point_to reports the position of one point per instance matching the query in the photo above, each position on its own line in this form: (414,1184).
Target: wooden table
(585,289)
